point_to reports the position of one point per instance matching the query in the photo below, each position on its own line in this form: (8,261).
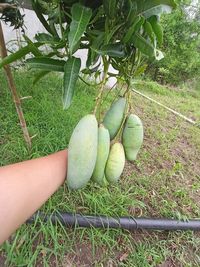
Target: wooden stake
(11,83)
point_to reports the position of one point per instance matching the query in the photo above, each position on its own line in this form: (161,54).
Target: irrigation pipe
(169,109)
(128,223)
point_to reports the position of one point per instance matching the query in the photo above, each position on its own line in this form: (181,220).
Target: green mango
(114,117)
(132,137)
(115,163)
(102,155)
(82,152)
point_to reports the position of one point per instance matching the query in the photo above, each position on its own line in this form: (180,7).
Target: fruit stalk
(127,108)
(99,96)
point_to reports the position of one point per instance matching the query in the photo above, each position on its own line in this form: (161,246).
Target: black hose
(129,223)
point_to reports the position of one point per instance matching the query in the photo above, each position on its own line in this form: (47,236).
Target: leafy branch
(120,34)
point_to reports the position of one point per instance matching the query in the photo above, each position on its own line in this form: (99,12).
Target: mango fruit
(82,152)
(114,117)
(115,163)
(102,154)
(132,137)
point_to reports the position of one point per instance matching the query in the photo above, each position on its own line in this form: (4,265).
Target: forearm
(25,186)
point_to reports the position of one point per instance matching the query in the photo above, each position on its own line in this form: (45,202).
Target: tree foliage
(181,46)
(121,34)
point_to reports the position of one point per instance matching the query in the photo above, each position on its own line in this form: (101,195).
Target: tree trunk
(16,99)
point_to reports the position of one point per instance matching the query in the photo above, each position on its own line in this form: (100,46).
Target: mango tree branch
(16,99)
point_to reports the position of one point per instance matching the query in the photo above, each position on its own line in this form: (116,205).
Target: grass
(188,98)
(163,182)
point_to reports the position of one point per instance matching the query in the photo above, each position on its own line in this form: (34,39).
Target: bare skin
(26,186)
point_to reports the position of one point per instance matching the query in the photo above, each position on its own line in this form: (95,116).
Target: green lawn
(163,182)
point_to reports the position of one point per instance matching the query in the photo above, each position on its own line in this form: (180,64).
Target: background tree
(181,46)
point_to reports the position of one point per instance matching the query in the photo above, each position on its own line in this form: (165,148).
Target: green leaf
(109,7)
(54,42)
(80,18)
(143,45)
(35,51)
(40,75)
(115,65)
(112,50)
(149,31)
(113,31)
(89,58)
(92,58)
(140,70)
(46,38)
(71,73)
(157,28)
(37,9)
(92,70)
(155,7)
(97,41)
(45,63)
(137,23)
(132,8)
(18,55)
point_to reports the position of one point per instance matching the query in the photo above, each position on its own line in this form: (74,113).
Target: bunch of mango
(93,152)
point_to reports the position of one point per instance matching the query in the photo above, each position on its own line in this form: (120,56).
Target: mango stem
(99,96)
(127,108)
